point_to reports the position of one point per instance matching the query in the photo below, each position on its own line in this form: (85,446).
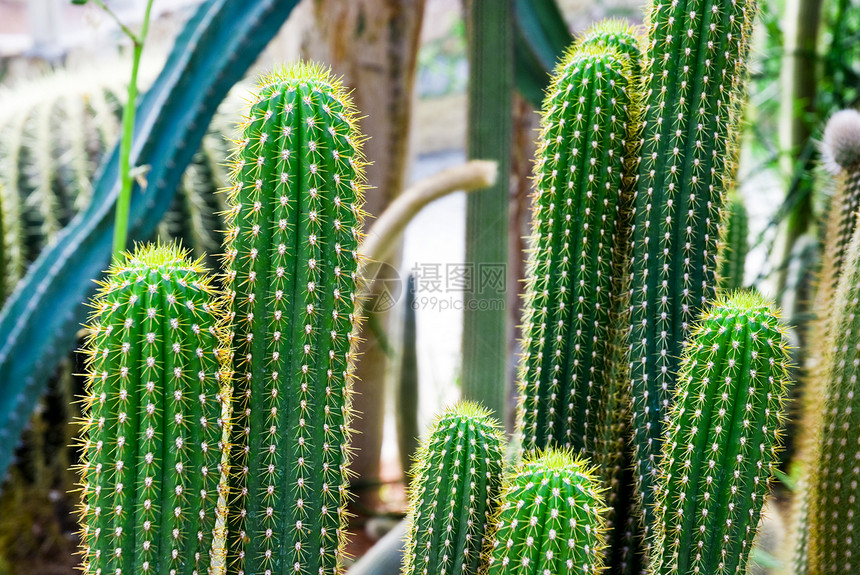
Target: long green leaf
(38,324)
(541,38)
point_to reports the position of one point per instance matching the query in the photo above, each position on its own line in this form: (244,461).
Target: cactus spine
(456,481)
(152,441)
(735,244)
(832,495)
(722,439)
(693,79)
(291,261)
(571,276)
(551,519)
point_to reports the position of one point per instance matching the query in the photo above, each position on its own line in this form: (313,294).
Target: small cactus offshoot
(457,478)
(291,259)
(551,519)
(152,441)
(722,439)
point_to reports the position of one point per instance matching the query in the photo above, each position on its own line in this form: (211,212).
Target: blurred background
(63,72)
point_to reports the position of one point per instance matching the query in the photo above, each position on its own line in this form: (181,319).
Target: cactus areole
(291,284)
(152,443)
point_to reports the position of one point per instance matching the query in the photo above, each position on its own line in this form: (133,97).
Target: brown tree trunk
(373,44)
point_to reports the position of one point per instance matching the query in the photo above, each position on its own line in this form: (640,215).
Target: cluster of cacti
(650,413)
(456,481)
(693,83)
(153,442)
(56,131)
(291,284)
(722,439)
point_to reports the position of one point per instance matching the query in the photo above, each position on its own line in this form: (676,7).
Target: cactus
(722,440)
(571,272)
(617,35)
(832,493)
(693,83)
(456,481)
(735,245)
(152,429)
(407,392)
(550,519)
(841,157)
(291,280)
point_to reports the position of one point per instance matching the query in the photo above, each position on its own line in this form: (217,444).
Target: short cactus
(616,35)
(833,505)
(456,481)
(551,519)
(722,440)
(292,276)
(572,266)
(735,245)
(151,474)
(693,84)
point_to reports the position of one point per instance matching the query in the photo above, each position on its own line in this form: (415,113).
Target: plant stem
(128,114)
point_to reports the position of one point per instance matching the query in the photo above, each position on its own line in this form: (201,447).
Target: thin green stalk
(123,202)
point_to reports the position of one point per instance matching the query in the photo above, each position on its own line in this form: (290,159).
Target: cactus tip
(841,142)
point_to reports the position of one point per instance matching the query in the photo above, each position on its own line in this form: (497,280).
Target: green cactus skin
(570,275)
(834,471)
(693,85)
(292,279)
(152,469)
(457,478)
(722,440)
(551,519)
(732,255)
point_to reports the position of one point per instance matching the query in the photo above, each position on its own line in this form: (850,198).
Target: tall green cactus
(551,519)
(722,439)
(572,271)
(693,83)
(832,493)
(456,482)
(735,245)
(152,442)
(292,277)
(841,156)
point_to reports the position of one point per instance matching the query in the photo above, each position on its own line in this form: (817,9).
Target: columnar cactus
(56,131)
(722,439)
(833,501)
(292,277)
(456,481)
(572,270)
(551,519)
(841,156)
(735,245)
(693,79)
(151,474)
